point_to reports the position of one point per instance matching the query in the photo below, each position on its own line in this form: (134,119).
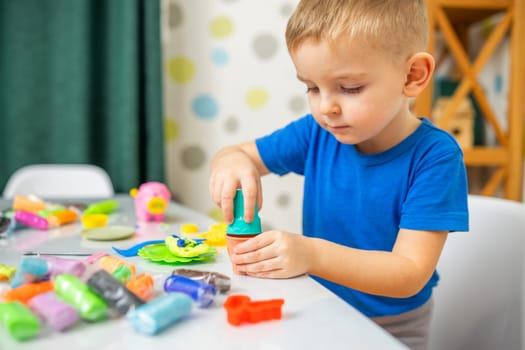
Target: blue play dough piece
(239,226)
(160,313)
(30,269)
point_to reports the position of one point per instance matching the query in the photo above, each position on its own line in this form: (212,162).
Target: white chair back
(479,300)
(60,181)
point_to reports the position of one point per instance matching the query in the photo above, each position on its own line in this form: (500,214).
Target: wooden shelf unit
(452,18)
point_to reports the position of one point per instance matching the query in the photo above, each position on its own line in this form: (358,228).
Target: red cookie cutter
(240,309)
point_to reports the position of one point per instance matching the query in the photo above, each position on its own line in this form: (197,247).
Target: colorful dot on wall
(181,69)
(283,200)
(297,104)
(175,15)
(231,124)
(205,106)
(193,157)
(219,56)
(221,27)
(265,46)
(171,129)
(257,98)
(286,10)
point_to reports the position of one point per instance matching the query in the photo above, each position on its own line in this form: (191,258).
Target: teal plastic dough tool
(239,226)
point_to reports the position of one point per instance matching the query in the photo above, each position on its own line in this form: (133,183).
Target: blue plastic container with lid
(202,293)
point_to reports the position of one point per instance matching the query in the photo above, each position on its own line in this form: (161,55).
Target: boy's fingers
(259,196)
(256,243)
(215,191)
(250,193)
(227,195)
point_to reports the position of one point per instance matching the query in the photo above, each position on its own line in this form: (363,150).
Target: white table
(313,317)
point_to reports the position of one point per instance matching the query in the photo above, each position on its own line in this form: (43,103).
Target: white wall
(228,79)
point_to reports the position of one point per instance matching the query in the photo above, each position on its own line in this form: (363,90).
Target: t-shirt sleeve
(286,149)
(440,186)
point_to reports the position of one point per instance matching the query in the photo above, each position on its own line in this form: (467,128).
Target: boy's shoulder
(432,134)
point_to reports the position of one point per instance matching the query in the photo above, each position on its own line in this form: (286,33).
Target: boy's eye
(352,90)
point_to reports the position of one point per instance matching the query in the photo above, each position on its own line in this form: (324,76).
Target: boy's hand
(232,168)
(274,254)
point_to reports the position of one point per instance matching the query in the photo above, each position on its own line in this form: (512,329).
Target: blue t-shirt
(362,200)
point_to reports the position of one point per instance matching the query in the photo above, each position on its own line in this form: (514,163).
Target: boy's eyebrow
(353,76)
(345,76)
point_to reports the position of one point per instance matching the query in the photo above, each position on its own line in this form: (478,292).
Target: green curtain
(81,82)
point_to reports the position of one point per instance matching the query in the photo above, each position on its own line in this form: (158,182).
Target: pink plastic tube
(31,220)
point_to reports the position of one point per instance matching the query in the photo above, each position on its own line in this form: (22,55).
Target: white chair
(60,181)
(479,300)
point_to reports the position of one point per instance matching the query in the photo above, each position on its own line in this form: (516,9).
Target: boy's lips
(336,127)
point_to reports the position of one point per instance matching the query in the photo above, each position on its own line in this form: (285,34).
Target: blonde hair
(398,26)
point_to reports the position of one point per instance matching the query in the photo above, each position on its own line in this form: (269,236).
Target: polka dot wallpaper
(228,79)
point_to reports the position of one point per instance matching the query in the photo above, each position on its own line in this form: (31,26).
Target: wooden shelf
(452,18)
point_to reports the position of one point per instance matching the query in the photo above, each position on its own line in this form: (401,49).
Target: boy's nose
(329,106)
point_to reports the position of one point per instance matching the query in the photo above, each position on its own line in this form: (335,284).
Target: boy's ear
(420,68)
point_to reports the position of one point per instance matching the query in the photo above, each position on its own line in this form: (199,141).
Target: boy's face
(355,92)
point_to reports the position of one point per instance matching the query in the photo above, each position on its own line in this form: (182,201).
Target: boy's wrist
(314,252)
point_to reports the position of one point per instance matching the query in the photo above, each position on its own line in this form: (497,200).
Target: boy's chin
(347,140)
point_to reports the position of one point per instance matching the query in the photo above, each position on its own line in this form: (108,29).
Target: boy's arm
(238,166)
(400,273)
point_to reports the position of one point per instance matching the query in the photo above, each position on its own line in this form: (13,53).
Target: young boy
(382,187)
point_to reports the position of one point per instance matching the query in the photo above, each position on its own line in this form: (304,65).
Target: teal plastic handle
(239,226)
